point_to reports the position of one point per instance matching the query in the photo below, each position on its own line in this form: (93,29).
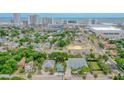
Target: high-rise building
(46,21)
(33,20)
(25,23)
(17,19)
(57,21)
(92,21)
(65,21)
(0,22)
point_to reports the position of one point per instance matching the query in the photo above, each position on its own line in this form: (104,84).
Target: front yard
(94,66)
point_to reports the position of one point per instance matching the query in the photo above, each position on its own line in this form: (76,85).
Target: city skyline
(69,15)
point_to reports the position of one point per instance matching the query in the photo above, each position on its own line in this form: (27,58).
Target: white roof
(106,28)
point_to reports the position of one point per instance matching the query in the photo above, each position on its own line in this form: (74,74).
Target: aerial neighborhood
(47,48)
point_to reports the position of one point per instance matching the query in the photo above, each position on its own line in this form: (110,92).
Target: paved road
(113,65)
(46,77)
(110,62)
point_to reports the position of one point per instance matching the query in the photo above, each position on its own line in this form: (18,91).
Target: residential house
(22,62)
(75,63)
(29,67)
(48,64)
(59,68)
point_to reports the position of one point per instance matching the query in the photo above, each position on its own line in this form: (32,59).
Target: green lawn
(92,37)
(94,66)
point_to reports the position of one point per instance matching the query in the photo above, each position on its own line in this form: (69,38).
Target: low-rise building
(75,63)
(29,67)
(55,26)
(59,68)
(48,64)
(108,32)
(109,46)
(22,62)
(37,47)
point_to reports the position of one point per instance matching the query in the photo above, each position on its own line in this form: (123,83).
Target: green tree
(61,43)
(105,57)
(7,69)
(58,56)
(12,63)
(120,62)
(84,70)
(17,78)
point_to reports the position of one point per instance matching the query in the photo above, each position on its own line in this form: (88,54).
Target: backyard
(94,66)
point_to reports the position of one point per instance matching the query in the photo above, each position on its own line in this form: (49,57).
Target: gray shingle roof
(48,63)
(76,63)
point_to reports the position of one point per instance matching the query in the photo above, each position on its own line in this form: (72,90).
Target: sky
(70,15)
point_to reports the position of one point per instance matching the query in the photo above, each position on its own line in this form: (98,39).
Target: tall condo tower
(17,19)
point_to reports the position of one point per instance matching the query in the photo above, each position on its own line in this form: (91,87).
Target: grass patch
(94,66)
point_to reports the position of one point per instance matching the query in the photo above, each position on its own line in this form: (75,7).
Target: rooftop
(60,68)
(76,63)
(22,62)
(105,28)
(48,63)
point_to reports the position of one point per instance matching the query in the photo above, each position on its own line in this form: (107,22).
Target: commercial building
(55,26)
(92,21)
(25,23)
(57,21)
(33,20)
(108,32)
(46,21)
(17,19)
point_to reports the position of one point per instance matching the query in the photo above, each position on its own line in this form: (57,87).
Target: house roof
(76,63)
(59,67)
(48,63)
(22,62)
(106,28)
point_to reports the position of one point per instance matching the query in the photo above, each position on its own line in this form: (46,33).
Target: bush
(29,75)
(120,62)
(119,77)
(105,68)
(13,78)
(4,78)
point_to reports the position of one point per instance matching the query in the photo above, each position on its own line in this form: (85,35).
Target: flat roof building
(109,32)
(92,21)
